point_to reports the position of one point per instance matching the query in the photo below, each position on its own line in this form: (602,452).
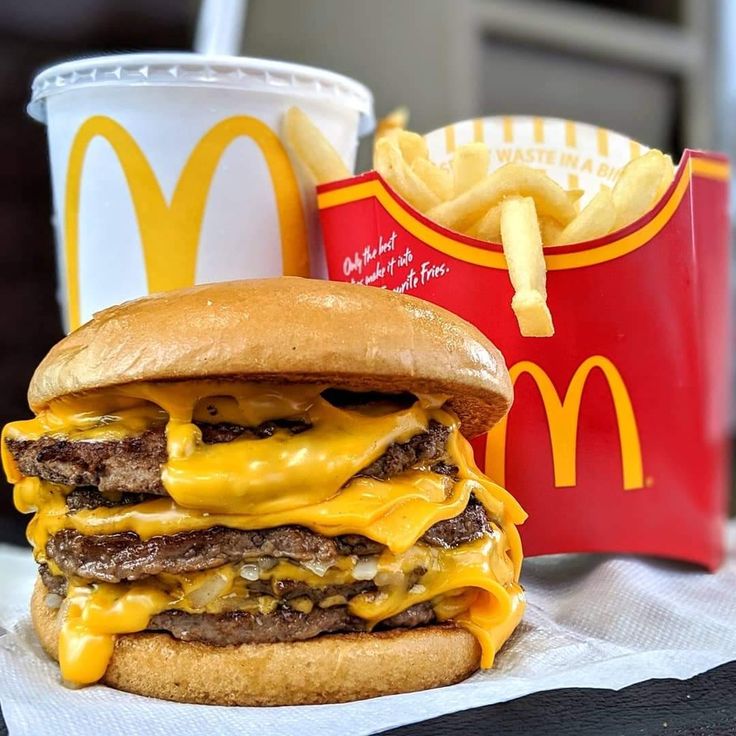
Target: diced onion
(250,572)
(318,568)
(53,601)
(389,577)
(365,568)
(213,587)
(417,589)
(266,563)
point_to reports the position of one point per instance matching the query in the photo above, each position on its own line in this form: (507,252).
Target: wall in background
(400,49)
(644,68)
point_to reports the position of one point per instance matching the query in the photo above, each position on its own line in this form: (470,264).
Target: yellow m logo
(170,231)
(562,419)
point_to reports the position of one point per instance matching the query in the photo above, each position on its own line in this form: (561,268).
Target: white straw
(220,27)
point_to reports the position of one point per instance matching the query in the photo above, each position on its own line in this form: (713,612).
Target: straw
(220,27)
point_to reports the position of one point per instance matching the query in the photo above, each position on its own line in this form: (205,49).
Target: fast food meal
(463,196)
(240,501)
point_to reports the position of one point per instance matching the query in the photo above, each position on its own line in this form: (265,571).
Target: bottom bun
(330,669)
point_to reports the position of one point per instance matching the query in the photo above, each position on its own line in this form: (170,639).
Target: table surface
(705,705)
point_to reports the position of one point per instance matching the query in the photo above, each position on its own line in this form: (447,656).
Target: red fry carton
(618,437)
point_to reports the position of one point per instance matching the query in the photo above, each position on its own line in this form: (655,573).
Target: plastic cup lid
(199,70)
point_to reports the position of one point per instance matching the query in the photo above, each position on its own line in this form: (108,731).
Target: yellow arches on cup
(178,223)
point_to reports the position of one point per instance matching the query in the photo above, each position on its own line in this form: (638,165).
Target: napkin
(591,621)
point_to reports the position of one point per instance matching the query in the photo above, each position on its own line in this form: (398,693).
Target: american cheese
(474,582)
(395,513)
(248,483)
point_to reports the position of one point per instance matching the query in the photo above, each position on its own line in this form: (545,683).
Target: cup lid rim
(191,69)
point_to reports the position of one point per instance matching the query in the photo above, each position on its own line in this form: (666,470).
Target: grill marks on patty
(225,432)
(466,527)
(284,624)
(88,497)
(283,590)
(55,584)
(128,465)
(125,556)
(133,464)
(425,447)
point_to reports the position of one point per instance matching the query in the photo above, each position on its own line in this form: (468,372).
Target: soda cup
(167,170)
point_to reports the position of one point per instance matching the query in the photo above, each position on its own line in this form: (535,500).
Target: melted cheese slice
(289,478)
(395,514)
(473,584)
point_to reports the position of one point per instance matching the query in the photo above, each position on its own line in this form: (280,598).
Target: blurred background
(661,71)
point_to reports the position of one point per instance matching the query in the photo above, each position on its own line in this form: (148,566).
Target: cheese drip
(247,473)
(302,479)
(474,581)
(395,513)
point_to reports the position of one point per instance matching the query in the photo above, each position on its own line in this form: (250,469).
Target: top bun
(288,330)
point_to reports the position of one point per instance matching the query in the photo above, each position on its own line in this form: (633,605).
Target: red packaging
(618,438)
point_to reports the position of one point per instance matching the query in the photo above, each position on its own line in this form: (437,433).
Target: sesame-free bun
(284,330)
(329,669)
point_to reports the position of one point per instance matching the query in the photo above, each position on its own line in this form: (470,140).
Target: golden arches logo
(562,420)
(170,232)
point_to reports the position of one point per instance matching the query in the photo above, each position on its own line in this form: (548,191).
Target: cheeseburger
(262,492)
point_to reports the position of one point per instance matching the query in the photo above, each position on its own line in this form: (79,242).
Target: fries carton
(618,438)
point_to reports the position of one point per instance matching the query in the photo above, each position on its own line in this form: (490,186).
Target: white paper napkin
(592,621)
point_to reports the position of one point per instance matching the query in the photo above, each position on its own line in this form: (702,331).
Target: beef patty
(284,624)
(283,590)
(113,558)
(133,464)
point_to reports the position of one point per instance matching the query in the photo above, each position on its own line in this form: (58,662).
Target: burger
(262,492)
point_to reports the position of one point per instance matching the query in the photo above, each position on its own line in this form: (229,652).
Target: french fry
(488,228)
(396,119)
(470,165)
(510,180)
(319,158)
(522,245)
(636,189)
(437,178)
(550,229)
(667,178)
(598,218)
(412,145)
(390,164)
(575,195)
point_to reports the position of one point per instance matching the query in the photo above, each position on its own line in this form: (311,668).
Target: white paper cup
(167,171)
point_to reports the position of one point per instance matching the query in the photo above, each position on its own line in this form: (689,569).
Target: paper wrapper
(618,437)
(602,622)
